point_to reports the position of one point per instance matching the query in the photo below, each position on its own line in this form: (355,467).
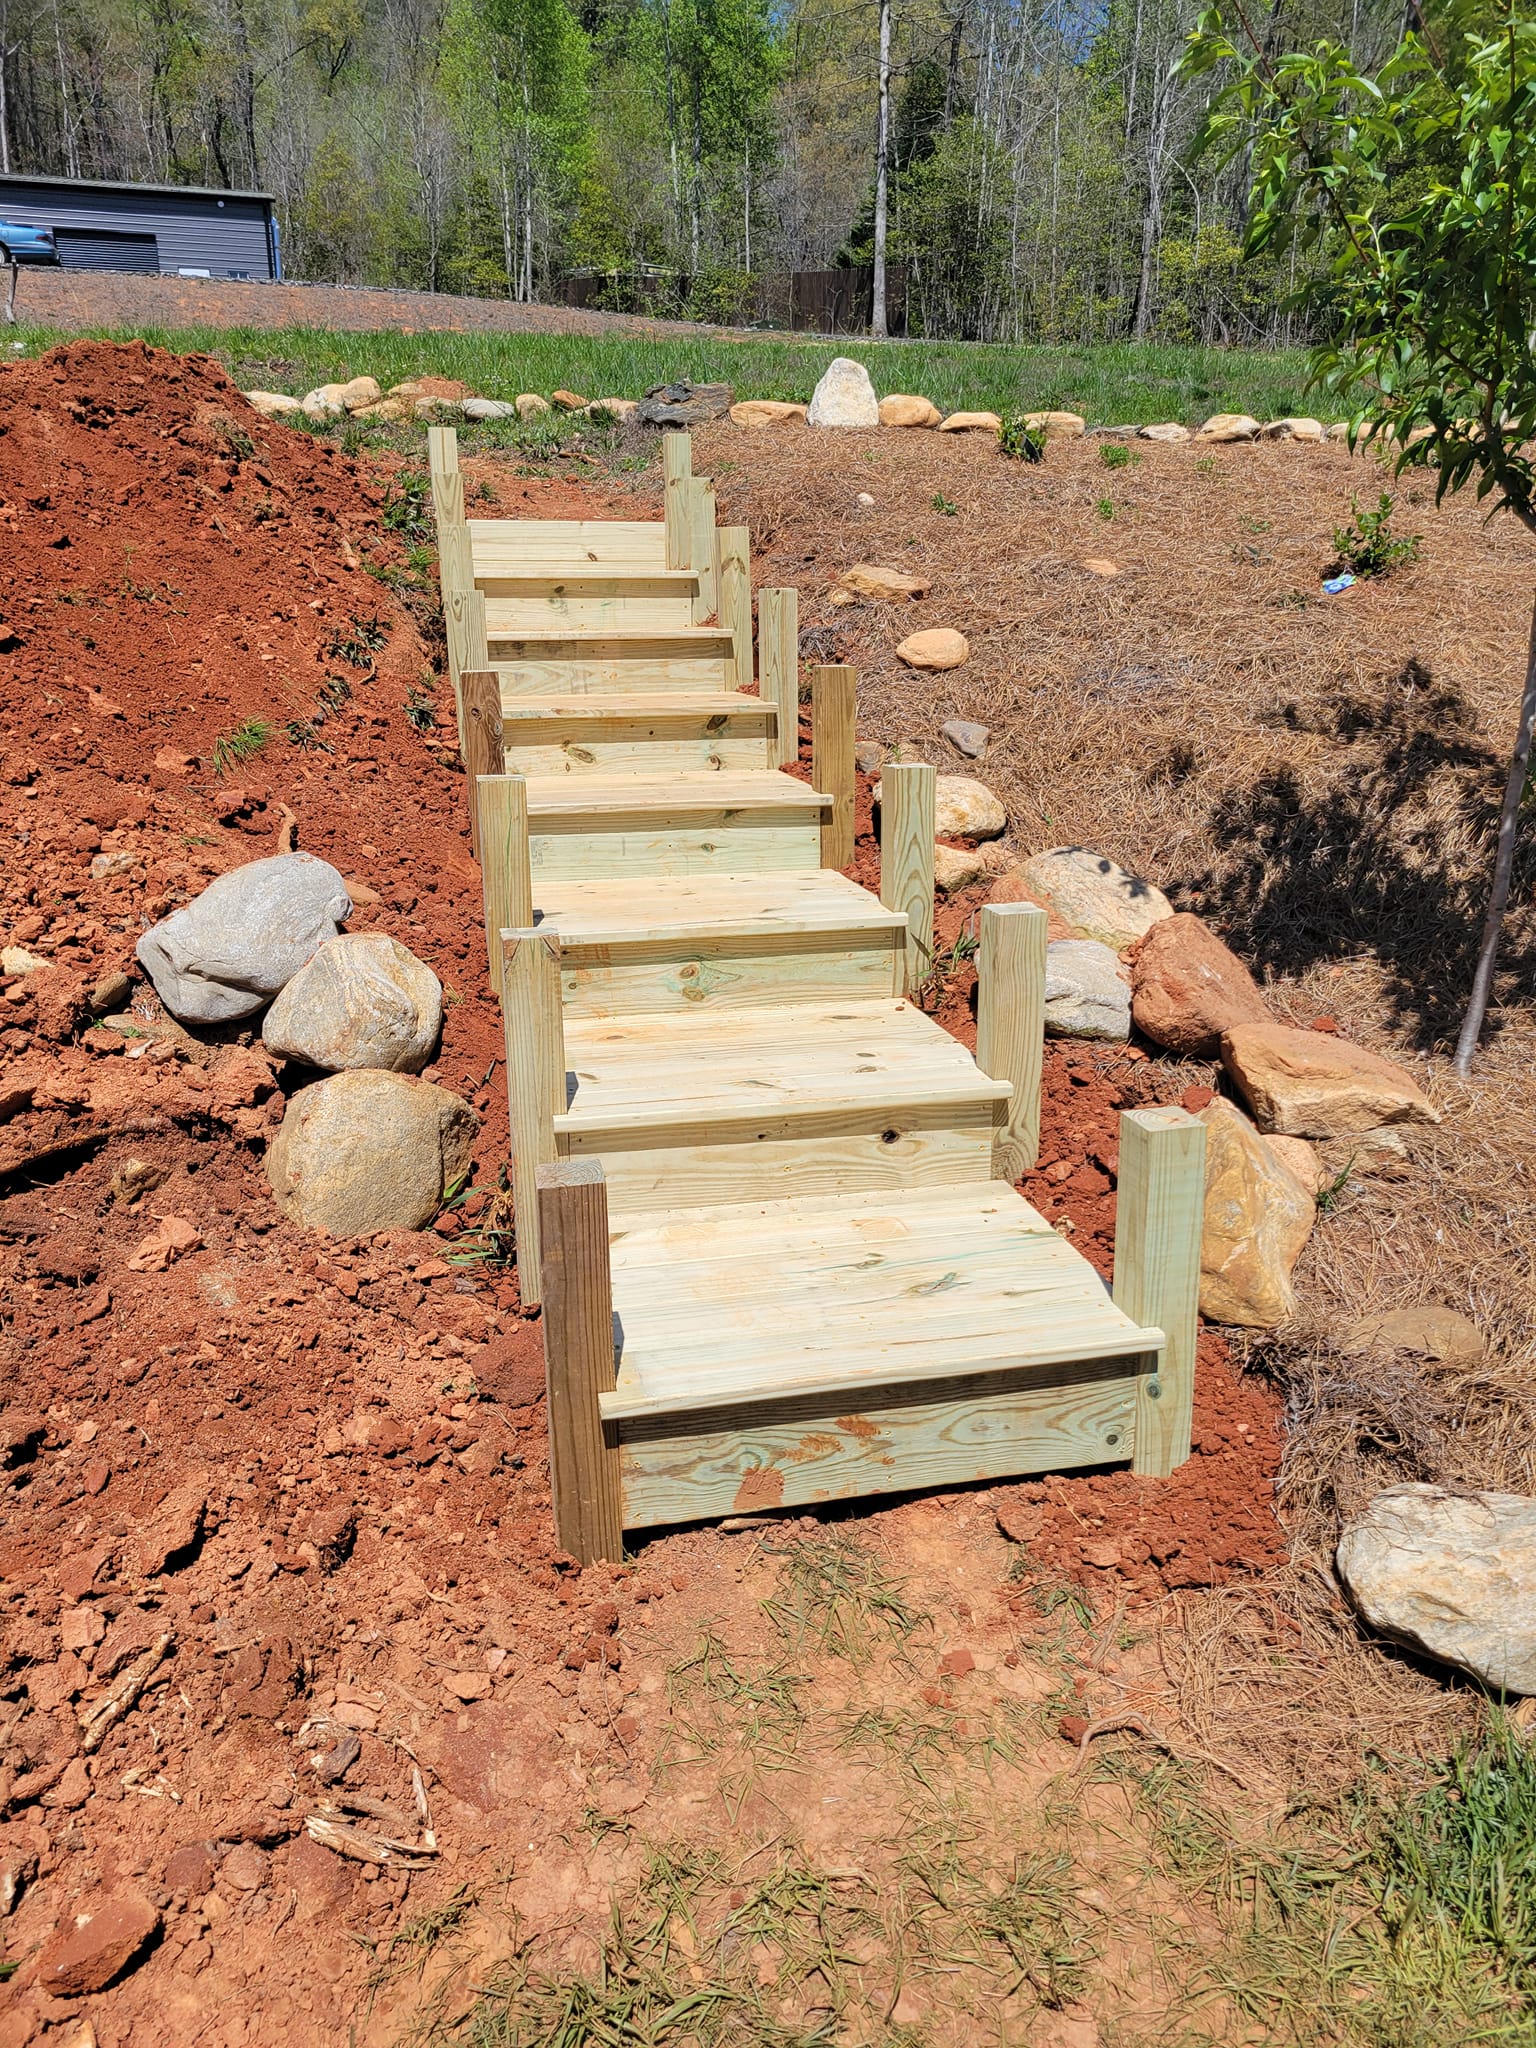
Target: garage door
(106,249)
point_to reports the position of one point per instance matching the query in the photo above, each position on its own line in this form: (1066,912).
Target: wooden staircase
(765,1200)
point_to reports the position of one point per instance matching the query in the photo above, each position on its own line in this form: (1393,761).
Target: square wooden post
(579,1359)
(1010,1025)
(455,564)
(833,711)
(778,668)
(535,1042)
(704,558)
(677,498)
(907,801)
(501,806)
(736,597)
(1159,1219)
(484,740)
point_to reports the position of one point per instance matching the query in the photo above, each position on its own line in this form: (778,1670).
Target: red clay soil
(300,1487)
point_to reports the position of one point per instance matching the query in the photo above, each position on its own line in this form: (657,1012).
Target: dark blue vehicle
(20,244)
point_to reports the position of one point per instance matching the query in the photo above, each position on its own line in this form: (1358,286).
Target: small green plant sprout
(1370,547)
(243,744)
(1115,455)
(419,708)
(407,507)
(1022,442)
(945,505)
(1106,508)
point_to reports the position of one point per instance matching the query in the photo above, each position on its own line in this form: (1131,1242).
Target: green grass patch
(243,744)
(1117,383)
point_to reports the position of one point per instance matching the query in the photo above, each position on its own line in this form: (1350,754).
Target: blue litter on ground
(1334,584)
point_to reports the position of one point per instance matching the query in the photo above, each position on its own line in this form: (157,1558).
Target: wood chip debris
(112,1706)
(395,1839)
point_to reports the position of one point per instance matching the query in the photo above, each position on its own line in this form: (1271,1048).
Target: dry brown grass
(1318,776)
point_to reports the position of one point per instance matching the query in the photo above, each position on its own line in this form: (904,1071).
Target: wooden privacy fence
(766,1202)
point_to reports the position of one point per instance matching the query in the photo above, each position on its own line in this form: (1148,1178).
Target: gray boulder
(684,404)
(1086,992)
(364,1000)
(231,949)
(489,409)
(367,1150)
(1451,1574)
(966,737)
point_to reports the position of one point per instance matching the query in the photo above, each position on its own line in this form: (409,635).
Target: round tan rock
(1425,1331)
(1064,426)
(1228,426)
(363,1000)
(530,406)
(1300,1159)
(903,410)
(938,647)
(367,1150)
(1165,430)
(964,808)
(568,401)
(1187,987)
(1293,430)
(766,412)
(956,867)
(971,422)
(274,405)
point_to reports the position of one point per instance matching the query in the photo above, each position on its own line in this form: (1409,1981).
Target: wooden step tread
(729,1067)
(828,1294)
(710,907)
(636,642)
(677,793)
(633,704)
(593,579)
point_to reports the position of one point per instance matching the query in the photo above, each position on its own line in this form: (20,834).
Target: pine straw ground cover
(1336,1847)
(1319,776)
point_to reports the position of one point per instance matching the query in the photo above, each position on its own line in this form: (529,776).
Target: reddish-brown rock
(189,1869)
(91,1948)
(1187,987)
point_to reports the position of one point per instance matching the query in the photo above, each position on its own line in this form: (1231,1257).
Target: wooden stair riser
(785,1155)
(577,848)
(750,971)
(615,744)
(567,547)
(507,618)
(953,1430)
(549,672)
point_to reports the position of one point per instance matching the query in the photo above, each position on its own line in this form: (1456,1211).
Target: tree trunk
(878,325)
(1503,867)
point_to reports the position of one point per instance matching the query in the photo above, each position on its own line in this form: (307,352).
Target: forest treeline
(1042,181)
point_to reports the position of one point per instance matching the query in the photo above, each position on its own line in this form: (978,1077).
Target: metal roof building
(180,229)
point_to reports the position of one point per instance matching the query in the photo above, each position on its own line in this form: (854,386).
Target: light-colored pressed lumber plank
(801,1154)
(677,498)
(1159,1217)
(509,618)
(778,662)
(704,543)
(797,1452)
(673,794)
(530,1002)
(732,842)
(1010,1024)
(601,675)
(584,639)
(762,970)
(578,1359)
(907,799)
(520,547)
(736,597)
(535,584)
(502,810)
(723,704)
(833,712)
(623,912)
(464,631)
(482,744)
